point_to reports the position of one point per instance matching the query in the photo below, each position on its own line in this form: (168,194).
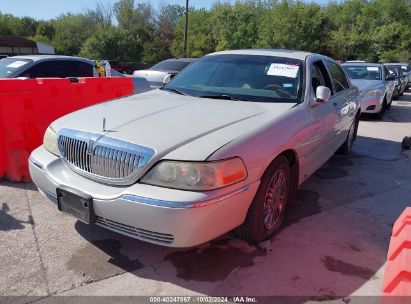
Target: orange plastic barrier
(27,107)
(397,277)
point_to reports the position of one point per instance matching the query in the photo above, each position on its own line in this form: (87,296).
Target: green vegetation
(372,30)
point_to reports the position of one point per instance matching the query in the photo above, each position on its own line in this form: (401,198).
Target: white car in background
(223,146)
(170,67)
(375,83)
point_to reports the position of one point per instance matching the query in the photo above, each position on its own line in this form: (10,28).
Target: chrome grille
(142,234)
(102,158)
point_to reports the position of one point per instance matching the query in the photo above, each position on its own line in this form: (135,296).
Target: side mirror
(322,94)
(167,79)
(390,77)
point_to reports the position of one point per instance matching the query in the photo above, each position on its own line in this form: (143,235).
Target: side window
(59,69)
(339,80)
(386,72)
(73,68)
(48,69)
(319,76)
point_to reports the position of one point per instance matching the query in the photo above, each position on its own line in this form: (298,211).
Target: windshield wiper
(223,96)
(174,90)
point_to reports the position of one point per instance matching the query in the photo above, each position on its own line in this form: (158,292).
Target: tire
(352,134)
(384,107)
(261,220)
(395,95)
(389,104)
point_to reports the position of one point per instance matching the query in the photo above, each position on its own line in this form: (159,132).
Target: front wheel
(266,213)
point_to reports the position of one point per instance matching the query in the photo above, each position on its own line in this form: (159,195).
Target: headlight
(50,141)
(373,93)
(197,176)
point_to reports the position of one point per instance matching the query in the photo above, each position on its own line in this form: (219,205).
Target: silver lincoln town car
(222,146)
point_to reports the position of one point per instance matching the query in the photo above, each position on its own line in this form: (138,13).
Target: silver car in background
(222,146)
(406,70)
(170,67)
(400,79)
(375,83)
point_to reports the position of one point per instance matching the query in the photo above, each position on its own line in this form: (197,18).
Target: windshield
(10,65)
(363,72)
(245,77)
(170,65)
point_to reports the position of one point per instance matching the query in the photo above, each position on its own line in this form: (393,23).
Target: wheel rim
(275,199)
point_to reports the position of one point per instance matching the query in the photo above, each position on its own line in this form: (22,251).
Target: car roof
(360,64)
(182,59)
(45,57)
(269,52)
(397,63)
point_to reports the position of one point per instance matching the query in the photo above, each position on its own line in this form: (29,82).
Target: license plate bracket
(75,203)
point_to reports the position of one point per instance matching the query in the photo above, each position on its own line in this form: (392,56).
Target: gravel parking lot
(334,244)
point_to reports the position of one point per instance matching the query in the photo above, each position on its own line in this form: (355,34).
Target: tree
(235,26)
(45,29)
(113,43)
(71,32)
(200,39)
(292,25)
(159,47)
(102,15)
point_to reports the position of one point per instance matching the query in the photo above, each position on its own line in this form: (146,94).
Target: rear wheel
(266,213)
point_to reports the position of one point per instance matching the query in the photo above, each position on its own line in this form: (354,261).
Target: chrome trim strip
(102,163)
(36,163)
(169,204)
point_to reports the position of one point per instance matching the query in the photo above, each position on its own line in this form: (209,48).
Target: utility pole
(185,30)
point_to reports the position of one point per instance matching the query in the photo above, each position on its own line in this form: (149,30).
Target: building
(13,45)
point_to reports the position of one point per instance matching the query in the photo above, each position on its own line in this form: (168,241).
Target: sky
(48,9)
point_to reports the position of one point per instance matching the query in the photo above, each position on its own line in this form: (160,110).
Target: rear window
(170,65)
(9,66)
(363,72)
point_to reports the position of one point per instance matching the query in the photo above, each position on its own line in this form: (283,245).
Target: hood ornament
(104,126)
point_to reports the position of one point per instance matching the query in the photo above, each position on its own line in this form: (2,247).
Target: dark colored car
(46,66)
(49,66)
(155,75)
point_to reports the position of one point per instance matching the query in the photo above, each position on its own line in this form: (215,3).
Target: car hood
(366,85)
(165,121)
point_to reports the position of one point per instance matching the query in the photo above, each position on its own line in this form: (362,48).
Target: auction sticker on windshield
(281,69)
(372,69)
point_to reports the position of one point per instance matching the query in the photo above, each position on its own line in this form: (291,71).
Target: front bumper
(371,104)
(158,215)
